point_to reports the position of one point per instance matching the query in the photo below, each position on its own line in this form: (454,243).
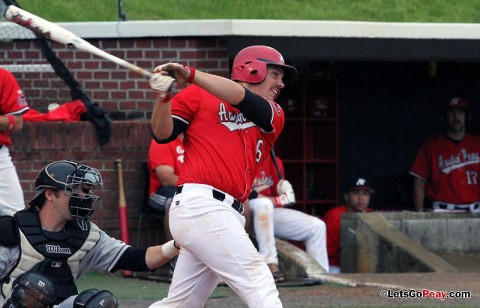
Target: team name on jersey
(58,249)
(263,182)
(453,162)
(233,120)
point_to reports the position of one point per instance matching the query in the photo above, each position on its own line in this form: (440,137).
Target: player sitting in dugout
(357,199)
(54,242)
(269,203)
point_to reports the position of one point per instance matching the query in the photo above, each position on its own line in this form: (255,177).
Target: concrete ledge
(405,241)
(296,263)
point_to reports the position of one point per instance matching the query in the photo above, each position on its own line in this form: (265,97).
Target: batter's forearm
(161,121)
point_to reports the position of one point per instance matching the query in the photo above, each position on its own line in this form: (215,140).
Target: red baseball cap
(456,102)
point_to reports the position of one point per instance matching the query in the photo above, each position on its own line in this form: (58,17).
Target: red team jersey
(12,100)
(222,147)
(450,169)
(170,154)
(267,178)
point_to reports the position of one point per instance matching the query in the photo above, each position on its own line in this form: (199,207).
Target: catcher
(55,240)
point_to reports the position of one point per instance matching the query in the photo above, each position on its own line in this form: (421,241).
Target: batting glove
(181,73)
(283,186)
(286,196)
(165,86)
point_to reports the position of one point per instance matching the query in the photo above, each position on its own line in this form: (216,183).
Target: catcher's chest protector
(55,255)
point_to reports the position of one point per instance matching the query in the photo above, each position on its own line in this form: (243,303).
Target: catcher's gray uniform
(101,254)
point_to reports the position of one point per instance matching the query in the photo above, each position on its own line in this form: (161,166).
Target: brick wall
(42,142)
(123,94)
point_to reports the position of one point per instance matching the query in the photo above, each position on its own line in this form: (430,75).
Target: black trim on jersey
(132,259)
(178,128)
(258,110)
(9,232)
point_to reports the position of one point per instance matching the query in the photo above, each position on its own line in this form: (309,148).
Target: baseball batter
(447,166)
(229,126)
(271,217)
(54,237)
(12,105)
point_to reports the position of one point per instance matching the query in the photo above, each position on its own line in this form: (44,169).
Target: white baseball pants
(215,247)
(11,193)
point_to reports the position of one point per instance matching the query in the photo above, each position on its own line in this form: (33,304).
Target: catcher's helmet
(76,180)
(250,64)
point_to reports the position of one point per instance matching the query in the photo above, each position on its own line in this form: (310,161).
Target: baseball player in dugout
(230,125)
(54,242)
(357,199)
(269,201)
(447,165)
(12,105)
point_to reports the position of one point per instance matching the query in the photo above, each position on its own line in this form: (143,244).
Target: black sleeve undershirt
(178,128)
(257,109)
(132,259)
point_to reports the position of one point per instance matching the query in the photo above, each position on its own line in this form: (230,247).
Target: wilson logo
(58,249)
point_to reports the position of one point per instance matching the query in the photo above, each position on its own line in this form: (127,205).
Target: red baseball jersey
(222,147)
(169,154)
(450,169)
(12,100)
(267,178)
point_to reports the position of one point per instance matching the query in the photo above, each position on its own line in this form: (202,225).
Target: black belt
(444,206)
(220,196)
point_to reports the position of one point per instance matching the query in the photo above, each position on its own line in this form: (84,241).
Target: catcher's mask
(77,181)
(250,64)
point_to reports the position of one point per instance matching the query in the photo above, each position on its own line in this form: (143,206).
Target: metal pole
(121,16)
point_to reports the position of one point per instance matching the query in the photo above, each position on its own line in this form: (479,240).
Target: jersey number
(472,177)
(259,151)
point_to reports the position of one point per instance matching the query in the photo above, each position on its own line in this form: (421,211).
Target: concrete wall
(406,241)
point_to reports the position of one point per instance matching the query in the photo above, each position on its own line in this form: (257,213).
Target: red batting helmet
(456,102)
(250,64)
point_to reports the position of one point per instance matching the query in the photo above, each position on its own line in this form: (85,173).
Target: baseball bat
(122,209)
(60,35)
(277,167)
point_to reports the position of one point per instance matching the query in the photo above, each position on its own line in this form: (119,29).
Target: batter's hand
(165,86)
(182,74)
(161,84)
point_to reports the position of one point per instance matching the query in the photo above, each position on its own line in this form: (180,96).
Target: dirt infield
(367,293)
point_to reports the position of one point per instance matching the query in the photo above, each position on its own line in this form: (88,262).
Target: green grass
(467,11)
(131,288)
